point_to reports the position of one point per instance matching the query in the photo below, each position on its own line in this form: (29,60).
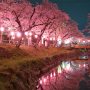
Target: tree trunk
(18,44)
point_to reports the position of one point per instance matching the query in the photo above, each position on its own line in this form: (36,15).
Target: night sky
(77,9)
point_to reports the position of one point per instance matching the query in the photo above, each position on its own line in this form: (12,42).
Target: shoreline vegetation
(21,68)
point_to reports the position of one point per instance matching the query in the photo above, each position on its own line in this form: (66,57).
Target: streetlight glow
(83,41)
(54,38)
(12,33)
(30,33)
(51,39)
(67,41)
(2,29)
(13,37)
(26,33)
(18,34)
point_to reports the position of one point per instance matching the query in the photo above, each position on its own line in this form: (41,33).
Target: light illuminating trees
(87,28)
(22,21)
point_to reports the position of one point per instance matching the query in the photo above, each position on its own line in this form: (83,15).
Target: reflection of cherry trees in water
(64,77)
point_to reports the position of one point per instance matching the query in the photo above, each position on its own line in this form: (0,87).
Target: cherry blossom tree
(51,11)
(72,29)
(22,16)
(87,28)
(45,21)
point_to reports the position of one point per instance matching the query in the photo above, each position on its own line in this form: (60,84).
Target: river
(66,76)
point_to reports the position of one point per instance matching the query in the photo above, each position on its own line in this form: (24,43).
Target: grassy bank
(21,68)
(11,57)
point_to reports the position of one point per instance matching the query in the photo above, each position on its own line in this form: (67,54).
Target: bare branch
(17,20)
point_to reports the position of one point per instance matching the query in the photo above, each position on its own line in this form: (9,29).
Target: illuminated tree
(72,29)
(51,11)
(21,17)
(22,22)
(87,28)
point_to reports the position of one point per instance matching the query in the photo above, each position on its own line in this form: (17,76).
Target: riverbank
(21,68)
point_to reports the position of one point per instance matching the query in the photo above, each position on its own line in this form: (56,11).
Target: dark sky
(77,9)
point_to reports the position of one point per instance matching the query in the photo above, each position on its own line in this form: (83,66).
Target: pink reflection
(79,65)
(40,81)
(51,75)
(54,74)
(84,65)
(47,77)
(68,68)
(44,80)
(59,69)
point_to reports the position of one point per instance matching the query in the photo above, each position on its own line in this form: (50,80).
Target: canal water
(68,75)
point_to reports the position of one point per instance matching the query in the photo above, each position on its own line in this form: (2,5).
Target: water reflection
(65,76)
